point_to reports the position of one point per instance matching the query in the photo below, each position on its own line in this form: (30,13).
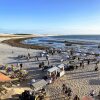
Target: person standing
(28,56)
(88,62)
(76,97)
(96,68)
(80,64)
(48,63)
(21,65)
(37,59)
(69,92)
(92,93)
(42,64)
(78,58)
(12,67)
(47,57)
(52,52)
(63,88)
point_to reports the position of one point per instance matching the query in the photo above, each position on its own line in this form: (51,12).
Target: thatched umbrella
(87,98)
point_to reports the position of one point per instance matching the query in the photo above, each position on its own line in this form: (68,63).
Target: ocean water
(91,38)
(90,41)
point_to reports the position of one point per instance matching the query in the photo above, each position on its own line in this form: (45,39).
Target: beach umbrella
(87,98)
(4,78)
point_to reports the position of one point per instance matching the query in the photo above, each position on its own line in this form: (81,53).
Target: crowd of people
(68,93)
(65,90)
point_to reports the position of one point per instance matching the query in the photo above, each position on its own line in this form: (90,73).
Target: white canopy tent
(61,69)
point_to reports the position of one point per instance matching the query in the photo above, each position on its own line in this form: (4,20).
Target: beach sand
(7,53)
(81,81)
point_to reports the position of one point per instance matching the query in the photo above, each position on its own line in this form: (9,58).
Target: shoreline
(16,42)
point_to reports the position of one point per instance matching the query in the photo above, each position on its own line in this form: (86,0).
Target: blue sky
(50,16)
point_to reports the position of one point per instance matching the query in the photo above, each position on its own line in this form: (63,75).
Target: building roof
(53,69)
(39,84)
(60,66)
(4,78)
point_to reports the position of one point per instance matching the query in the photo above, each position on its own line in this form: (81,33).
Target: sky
(50,16)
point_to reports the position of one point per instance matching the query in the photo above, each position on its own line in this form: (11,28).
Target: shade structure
(87,98)
(4,78)
(39,84)
(53,69)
